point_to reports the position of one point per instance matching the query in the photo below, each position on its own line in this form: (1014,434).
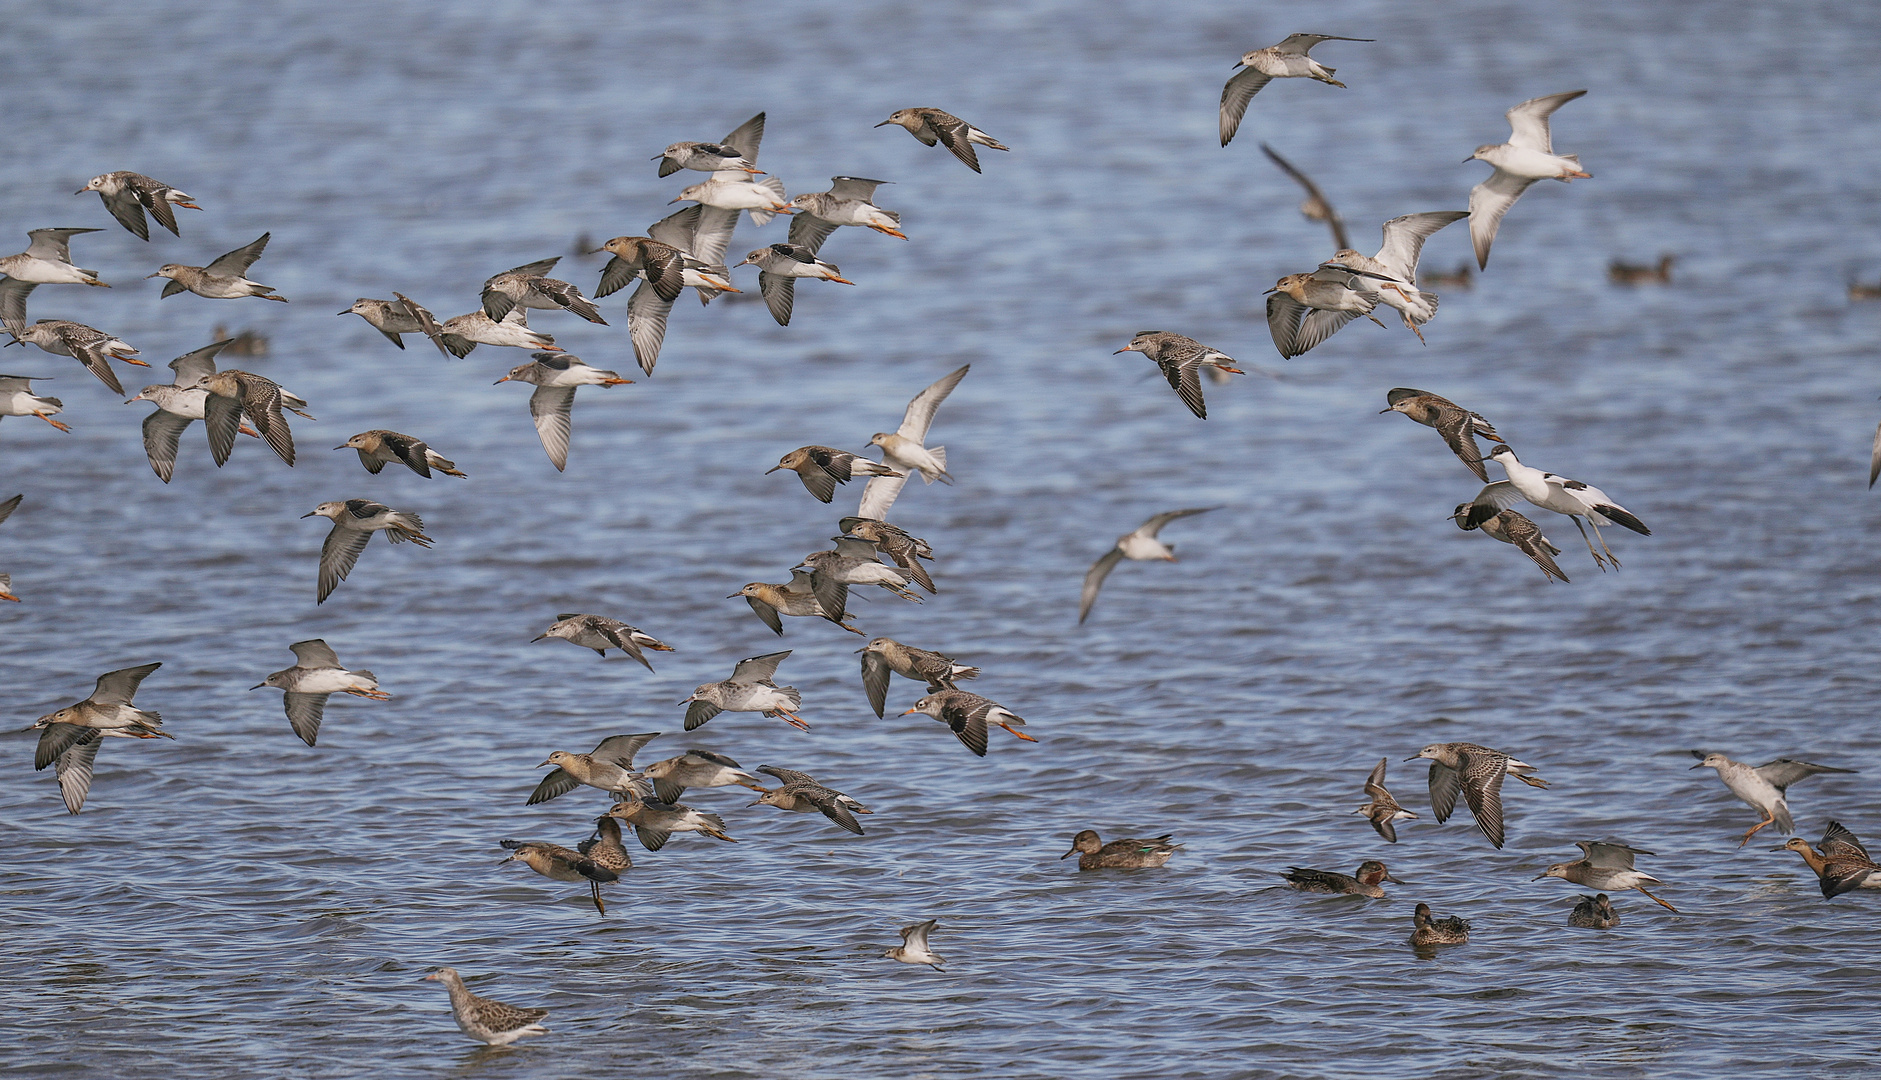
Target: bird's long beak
(904,712)
(754,802)
(545,763)
(339,447)
(433,977)
(1539,876)
(688,701)
(1125,349)
(1073,851)
(348,311)
(772,469)
(81,191)
(537,638)
(309,514)
(674,199)
(1469,159)
(147,277)
(1413,757)
(504,379)
(734,596)
(885,123)
(1382,412)
(258,686)
(1275,289)
(1394,881)
(597,251)
(1700,765)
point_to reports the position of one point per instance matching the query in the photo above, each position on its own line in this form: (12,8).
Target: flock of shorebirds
(687,250)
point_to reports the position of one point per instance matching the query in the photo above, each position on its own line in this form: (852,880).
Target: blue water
(236,904)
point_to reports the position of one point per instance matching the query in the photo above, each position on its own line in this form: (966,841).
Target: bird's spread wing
(1458,429)
(7,508)
(338,555)
(304,712)
(559,782)
(1489,502)
(952,134)
(875,677)
(1783,772)
(237,262)
(1490,200)
(780,295)
(758,668)
(552,408)
(854,187)
(315,653)
(646,324)
(162,431)
(222,417)
(118,687)
(129,210)
(747,137)
(198,363)
(73,767)
(678,229)
(1239,90)
(1375,783)
(1186,379)
(1405,236)
(699,712)
(620,749)
(1529,121)
(1301,44)
(879,494)
(809,231)
(1482,790)
(767,613)
(920,414)
(1094,580)
(13,293)
(53,244)
(1445,782)
(1155,525)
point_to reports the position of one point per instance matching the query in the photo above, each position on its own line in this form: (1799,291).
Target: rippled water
(236,904)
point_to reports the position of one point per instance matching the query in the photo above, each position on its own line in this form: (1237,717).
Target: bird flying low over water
(1459,427)
(1181,360)
(905,449)
(127,195)
(556,376)
(224,279)
(1528,156)
(1140,545)
(932,126)
(1287,60)
(316,676)
(354,522)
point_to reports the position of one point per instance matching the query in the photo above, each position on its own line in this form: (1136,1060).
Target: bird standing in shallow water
(487,1020)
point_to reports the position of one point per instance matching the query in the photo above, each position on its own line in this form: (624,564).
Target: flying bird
(905,449)
(1528,156)
(1138,545)
(1287,60)
(354,522)
(934,126)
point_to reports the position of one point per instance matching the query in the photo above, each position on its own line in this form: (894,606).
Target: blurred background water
(237,904)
